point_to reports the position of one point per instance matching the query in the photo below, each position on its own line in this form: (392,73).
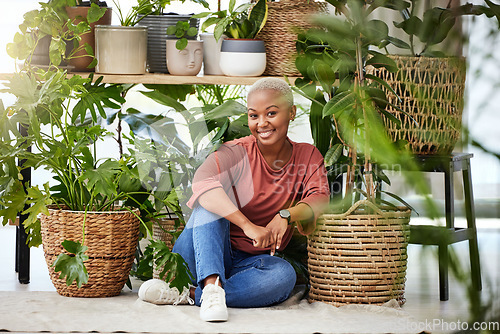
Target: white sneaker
(159,292)
(213,303)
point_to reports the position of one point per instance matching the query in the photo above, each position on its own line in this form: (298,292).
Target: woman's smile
(265,133)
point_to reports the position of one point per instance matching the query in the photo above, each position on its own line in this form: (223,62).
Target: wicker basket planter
(279,36)
(161,229)
(111,238)
(359,256)
(432,92)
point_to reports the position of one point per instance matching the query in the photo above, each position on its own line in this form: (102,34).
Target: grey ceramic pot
(157,35)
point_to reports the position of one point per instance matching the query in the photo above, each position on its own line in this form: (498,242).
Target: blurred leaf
(338,103)
(333,154)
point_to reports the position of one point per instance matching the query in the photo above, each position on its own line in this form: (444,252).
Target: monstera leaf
(72,266)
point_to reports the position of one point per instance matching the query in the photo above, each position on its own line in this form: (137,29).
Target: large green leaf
(172,266)
(12,199)
(339,103)
(379,60)
(72,267)
(324,74)
(333,154)
(101,180)
(321,127)
(437,23)
(164,99)
(158,128)
(38,202)
(94,95)
(258,17)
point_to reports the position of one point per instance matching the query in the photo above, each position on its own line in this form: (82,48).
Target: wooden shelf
(158,78)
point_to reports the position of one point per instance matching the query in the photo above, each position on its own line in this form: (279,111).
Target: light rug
(49,312)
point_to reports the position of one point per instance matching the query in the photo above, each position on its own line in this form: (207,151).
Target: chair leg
(444,291)
(450,223)
(471,225)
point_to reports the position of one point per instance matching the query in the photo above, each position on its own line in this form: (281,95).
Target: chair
(442,236)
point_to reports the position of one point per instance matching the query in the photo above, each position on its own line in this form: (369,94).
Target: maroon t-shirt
(259,190)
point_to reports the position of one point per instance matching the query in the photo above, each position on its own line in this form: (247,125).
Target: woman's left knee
(283,273)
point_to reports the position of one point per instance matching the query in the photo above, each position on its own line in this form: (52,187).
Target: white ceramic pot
(187,61)
(121,50)
(243,57)
(211,54)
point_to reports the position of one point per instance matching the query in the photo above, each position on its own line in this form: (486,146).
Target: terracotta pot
(187,61)
(81,60)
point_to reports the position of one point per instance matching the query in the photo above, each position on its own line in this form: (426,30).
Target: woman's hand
(262,237)
(278,227)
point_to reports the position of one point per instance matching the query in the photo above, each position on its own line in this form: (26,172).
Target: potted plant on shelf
(123,49)
(184,57)
(158,22)
(358,252)
(430,80)
(93,12)
(47,35)
(241,53)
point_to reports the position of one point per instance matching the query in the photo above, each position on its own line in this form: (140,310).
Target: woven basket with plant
(285,18)
(359,256)
(111,238)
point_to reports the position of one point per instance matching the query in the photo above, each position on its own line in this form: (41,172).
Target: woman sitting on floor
(246,197)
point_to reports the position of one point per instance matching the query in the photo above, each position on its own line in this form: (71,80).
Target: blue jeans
(248,280)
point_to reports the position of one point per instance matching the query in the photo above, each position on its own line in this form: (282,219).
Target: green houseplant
(49,37)
(123,49)
(94,13)
(347,120)
(241,26)
(184,57)
(66,136)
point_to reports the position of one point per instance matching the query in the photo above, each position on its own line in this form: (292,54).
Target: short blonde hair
(275,84)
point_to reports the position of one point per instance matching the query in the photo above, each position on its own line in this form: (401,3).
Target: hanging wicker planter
(161,227)
(359,256)
(111,238)
(432,92)
(279,36)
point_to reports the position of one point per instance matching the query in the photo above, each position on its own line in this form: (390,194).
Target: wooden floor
(422,288)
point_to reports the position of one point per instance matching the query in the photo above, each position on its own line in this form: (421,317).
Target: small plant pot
(81,60)
(243,57)
(121,50)
(184,62)
(211,54)
(157,33)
